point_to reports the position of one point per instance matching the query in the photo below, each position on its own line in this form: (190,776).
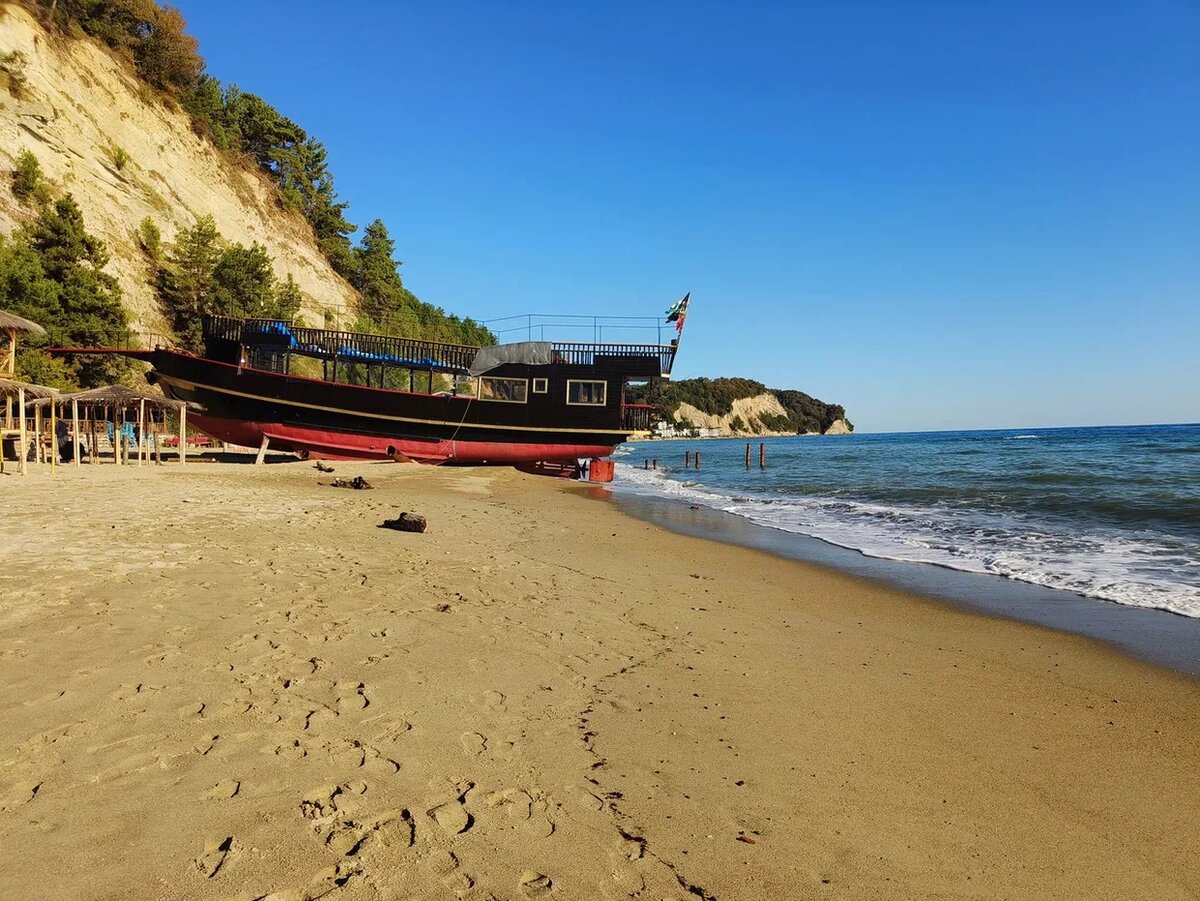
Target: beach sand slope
(228,682)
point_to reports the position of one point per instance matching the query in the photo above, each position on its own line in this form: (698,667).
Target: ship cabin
(535,381)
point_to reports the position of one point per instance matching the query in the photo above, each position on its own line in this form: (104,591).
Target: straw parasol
(11,389)
(125,404)
(12,325)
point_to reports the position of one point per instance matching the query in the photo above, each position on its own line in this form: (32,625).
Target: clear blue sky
(947,215)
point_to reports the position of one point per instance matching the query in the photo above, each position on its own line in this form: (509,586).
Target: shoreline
(1160,637)
(227,681)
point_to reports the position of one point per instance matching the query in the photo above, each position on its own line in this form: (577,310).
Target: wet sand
(227,682)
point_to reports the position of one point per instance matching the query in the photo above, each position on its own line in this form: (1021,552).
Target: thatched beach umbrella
(22,392)
(12,325)
(124,403)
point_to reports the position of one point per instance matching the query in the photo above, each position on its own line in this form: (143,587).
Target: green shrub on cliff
(27,184)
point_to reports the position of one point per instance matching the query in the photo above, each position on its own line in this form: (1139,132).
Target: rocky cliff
(740,406)
(126,155)
(746,416)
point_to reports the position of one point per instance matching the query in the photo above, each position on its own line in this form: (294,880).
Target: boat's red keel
(329,445)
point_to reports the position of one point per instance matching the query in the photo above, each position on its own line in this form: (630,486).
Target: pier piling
(762,455)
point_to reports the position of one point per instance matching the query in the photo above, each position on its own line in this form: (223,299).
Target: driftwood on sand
(358,483)
(407,522)
(323,467)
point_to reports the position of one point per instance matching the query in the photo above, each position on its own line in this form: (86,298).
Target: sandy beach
(225,681)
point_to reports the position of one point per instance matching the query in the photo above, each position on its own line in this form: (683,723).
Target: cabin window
(511,391)
(541,386)
(587,393)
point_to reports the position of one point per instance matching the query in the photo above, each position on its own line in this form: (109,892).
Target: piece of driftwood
(322,467)
(358,483)
(407,522)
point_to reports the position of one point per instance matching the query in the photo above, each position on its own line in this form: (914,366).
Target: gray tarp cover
(533,353)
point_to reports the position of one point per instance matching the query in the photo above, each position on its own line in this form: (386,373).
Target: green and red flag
(678,313)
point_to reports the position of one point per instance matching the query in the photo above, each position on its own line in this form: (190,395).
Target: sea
(1111,514)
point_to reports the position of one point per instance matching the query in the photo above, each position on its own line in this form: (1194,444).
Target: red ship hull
(340,445)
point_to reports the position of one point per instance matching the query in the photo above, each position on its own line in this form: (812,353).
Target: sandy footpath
(227,682)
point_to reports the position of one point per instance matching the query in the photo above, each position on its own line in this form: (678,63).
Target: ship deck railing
(361,347)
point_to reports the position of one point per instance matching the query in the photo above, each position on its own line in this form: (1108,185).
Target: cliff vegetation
(742,406)
(207,198)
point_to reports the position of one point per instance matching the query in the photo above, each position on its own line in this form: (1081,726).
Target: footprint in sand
(473,744)
(192,711)
(494,701)
(22,793)
(452,817)
(323,883)
(392,828)
(222,791)
(352,695)
(535,885)
(216,852)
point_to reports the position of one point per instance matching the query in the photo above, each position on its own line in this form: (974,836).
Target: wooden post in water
(747,454)
(762,455)
(687,459)
(654,463)
(645,464)
(697,459)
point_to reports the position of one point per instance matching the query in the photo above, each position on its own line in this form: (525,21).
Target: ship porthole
(391,450)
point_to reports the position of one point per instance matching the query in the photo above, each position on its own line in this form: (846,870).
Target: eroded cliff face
(747,414)
(125,155)
(748,410)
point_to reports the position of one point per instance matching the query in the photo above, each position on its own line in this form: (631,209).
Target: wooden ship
(348,395)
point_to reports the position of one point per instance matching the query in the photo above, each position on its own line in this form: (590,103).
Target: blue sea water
(1109,513)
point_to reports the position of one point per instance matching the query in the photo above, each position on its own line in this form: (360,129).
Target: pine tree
(377,276)
(186,285)
(244,283)
(52,272)
(288,299)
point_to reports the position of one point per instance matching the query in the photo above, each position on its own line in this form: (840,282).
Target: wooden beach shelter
(12,325)
(17,429)
(119,405)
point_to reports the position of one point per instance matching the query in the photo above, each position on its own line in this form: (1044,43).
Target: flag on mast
(678,313)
